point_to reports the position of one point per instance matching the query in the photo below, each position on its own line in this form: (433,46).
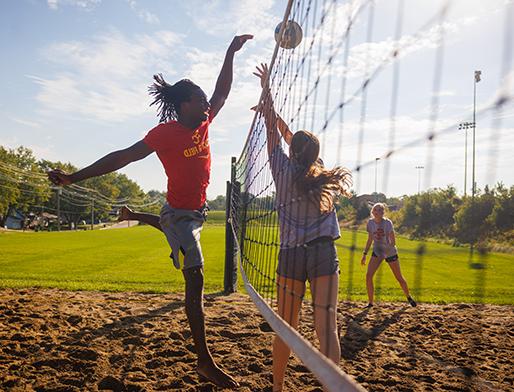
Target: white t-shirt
(381,234)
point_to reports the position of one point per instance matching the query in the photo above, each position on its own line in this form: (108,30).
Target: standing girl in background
(381,234)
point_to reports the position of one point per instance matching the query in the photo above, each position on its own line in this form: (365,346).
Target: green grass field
(136,259)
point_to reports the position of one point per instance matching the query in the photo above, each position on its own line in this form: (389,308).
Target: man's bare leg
(194,310)
(150,219)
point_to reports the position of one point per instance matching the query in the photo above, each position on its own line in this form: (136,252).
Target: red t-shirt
(186,157)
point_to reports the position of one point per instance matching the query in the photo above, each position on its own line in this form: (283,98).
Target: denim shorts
(306,262)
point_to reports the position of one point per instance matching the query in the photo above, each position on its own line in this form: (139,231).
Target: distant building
(15,220)
(394,204)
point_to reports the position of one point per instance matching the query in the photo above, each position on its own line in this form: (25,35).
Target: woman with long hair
(381,234)
(305,197)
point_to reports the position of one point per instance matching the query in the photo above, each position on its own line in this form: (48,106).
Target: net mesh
(336,84)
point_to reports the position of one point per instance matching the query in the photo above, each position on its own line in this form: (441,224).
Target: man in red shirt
(181,142)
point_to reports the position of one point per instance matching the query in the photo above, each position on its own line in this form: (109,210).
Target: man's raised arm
(224,82)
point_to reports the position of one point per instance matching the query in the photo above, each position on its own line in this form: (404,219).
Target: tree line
(25,188)
(486,220)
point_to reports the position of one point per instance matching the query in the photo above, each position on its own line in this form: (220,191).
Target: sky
(75,73)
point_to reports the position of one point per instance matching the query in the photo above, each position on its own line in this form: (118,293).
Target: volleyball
(292,35)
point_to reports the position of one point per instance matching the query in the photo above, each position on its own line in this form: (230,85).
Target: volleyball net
(370,83)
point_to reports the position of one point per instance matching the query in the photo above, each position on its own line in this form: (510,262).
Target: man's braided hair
(168,97)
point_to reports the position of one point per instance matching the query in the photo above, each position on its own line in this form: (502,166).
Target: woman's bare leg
(373,265)
(395,267)
(325,290)
(289,294)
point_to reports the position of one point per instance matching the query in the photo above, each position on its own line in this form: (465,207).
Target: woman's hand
(363,260)
(262,74)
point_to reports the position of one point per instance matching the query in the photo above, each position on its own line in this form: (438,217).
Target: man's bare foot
(217,376)
(125,214)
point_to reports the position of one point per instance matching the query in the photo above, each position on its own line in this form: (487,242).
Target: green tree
(159,197)
(345,210)
(22,182)
(408,218)
(471,220)
(430,213)
(217,204)
(363,211)
(9,191)
(73,206)
(24,186)
(502,216)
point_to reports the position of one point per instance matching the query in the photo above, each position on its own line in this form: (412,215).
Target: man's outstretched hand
(58,177)
(238,42)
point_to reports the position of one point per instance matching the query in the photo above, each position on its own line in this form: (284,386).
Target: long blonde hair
(322,185)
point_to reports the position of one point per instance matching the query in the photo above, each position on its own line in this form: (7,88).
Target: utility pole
(59,190)
(92,213)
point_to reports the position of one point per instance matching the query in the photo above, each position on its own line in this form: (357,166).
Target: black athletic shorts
(305,262)
(389,259)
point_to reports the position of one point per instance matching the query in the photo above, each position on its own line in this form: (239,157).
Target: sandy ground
(54,340)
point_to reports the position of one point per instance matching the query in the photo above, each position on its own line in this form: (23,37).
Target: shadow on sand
(358,337)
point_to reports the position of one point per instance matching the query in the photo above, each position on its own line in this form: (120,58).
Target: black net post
(230,277)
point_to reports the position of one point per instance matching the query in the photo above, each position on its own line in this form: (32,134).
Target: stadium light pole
(476,79)
(419,168)
(376,170)
(465,126)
